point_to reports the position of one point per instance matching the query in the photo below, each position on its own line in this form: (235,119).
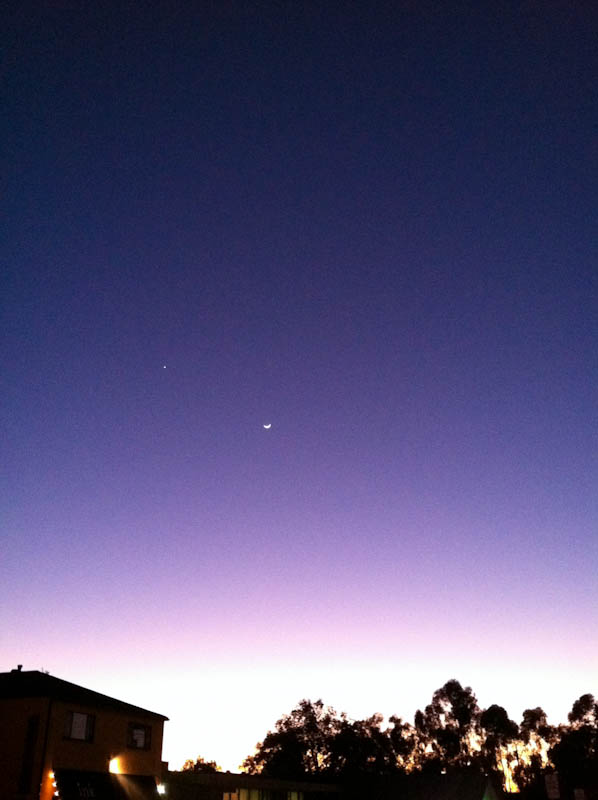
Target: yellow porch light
(114,766)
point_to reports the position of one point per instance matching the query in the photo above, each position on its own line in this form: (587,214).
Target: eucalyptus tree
(536,736)
(448,726)
(362,748)
(300,745)
(575,754)
(498,731)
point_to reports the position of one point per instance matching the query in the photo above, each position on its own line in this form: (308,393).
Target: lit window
(140,736)
(79,726)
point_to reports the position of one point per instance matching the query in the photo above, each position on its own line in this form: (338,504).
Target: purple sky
(373,229)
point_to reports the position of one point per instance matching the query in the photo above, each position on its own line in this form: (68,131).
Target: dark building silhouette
(465,785)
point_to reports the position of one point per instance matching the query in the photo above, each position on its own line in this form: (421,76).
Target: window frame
(147,736)
(90,724)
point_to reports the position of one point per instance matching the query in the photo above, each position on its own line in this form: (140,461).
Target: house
(233,786)
(60,741)
(457,784)
(460,784)
(466,785)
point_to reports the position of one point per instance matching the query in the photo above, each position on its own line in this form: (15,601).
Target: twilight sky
(375,229)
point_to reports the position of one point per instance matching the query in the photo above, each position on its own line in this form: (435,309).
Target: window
(139,737)
(79,726)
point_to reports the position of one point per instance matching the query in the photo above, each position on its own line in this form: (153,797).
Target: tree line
(313,741)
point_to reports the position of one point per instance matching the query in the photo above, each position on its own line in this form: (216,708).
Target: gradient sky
(376,230)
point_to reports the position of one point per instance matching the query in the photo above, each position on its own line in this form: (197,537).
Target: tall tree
(535,738)
(498,732)
(362,748)
(534,724)
(404,742)
(584,712)
(301,744)
(575,755)
(448,724)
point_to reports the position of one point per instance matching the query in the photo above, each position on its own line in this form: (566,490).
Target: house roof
(18,684)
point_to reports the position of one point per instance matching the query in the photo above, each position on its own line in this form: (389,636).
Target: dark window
(140,736)
(79,726)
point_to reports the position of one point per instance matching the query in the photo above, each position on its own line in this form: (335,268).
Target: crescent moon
(268,426)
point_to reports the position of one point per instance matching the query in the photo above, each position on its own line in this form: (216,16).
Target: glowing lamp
(114,766)
(161,788)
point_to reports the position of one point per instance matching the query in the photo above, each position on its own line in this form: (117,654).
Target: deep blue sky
(375,229)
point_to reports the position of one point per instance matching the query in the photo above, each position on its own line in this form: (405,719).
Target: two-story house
(60,741)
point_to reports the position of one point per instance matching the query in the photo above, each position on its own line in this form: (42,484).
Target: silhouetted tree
(361,748)
(584,712)
(575,755)
(535,737)
(301,744)
(404,742)
(446,727)
(201,765)
(534,724)
(313,740)
(498,731)
(450,734)
(422,750)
